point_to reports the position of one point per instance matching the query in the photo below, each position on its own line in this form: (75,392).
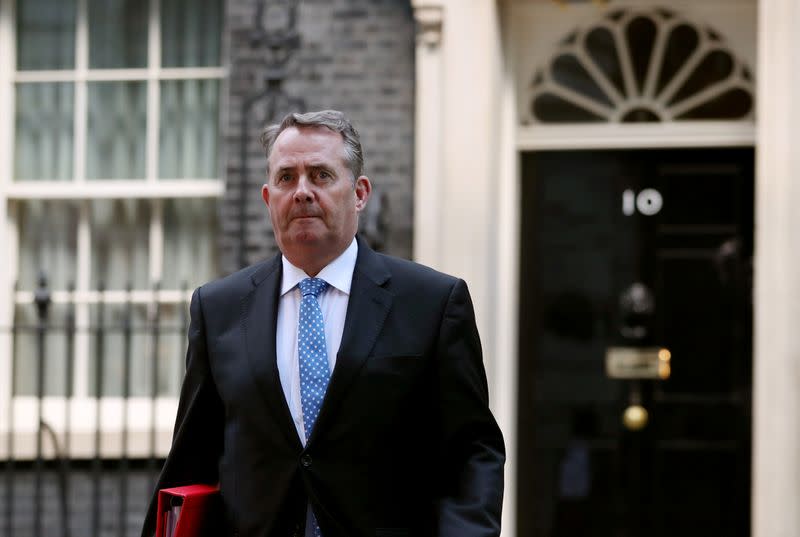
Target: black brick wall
(356,56)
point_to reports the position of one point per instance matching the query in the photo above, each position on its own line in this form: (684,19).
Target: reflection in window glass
(45,34)
(117,129)
(189,247)
(44,125)
(117,34)
(120,240)
(27,356)
(189,129)
(190,33)
(47,243)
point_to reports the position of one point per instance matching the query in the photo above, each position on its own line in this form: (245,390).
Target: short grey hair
(331,119)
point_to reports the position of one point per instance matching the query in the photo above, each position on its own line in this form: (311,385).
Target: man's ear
(363,189)
(265,194)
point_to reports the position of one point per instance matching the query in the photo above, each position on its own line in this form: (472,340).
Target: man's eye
(284,178)
(324,175)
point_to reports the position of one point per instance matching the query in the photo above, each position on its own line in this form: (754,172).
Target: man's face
(312,199)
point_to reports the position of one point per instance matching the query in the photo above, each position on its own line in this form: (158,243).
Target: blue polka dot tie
(313,357)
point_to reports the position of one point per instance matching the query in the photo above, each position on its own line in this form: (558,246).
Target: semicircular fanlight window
(641,65)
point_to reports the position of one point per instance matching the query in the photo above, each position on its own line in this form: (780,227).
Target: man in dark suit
(333,390)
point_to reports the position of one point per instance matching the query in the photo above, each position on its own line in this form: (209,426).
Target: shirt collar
(338,273)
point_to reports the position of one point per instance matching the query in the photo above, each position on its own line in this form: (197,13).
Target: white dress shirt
(333,303)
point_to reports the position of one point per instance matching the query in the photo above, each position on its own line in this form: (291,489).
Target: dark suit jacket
(404,444)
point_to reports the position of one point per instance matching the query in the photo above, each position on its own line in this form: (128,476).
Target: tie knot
(312,286)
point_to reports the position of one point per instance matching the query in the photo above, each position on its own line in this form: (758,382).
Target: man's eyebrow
(320,165)
(285,168)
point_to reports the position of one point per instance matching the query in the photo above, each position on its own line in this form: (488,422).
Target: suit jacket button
(305,460)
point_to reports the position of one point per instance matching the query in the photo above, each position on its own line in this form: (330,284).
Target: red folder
(200,511)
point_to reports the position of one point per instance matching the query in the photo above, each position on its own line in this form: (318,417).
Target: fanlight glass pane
(190,254)
(45,34)
(734,103)
(117,34)
(602,48)
(553,109)
(641,33)
(117,128)
(44,125)
(681,44)
(715,67)
(189,137)
(47,243)
(120,242)
(667,69)
(568,71)
(191,33)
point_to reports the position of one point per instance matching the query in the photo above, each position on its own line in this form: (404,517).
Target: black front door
(635,249)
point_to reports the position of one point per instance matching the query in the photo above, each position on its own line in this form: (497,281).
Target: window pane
(190,254)
(44,125)
(117,34)
(173,325)
(118,337)
(47,243)
(189,136)
(120,240)
(190,33)
(170,342)
(45,34)
(26,351)
(116,138)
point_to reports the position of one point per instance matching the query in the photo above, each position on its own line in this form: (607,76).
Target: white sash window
(110,173)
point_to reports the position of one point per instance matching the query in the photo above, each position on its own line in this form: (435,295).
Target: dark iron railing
(54,492)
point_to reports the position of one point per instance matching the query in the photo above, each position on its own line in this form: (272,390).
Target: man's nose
(303,192)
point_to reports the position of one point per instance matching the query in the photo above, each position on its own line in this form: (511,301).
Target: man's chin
(307,237)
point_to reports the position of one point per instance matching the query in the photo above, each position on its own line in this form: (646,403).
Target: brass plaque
(637,363)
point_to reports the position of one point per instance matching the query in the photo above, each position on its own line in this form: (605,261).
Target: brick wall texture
(354,55)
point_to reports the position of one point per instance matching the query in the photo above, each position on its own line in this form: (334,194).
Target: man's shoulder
(410,273)
(240,282)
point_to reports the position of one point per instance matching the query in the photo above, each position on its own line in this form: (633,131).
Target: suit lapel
(367,308)
(259,321)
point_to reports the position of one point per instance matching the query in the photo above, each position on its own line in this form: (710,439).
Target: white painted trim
(179,73)
(636,135)
(156,240)
(152,140)
(7,111)
(82,314)
(121,75)
(776,347)
(137,296)
(81,111)
(153,92)
(506,280)
(7,230)
(429,132)
(83,415)
(110,189)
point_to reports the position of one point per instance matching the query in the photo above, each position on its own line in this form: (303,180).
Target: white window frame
(82,407)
